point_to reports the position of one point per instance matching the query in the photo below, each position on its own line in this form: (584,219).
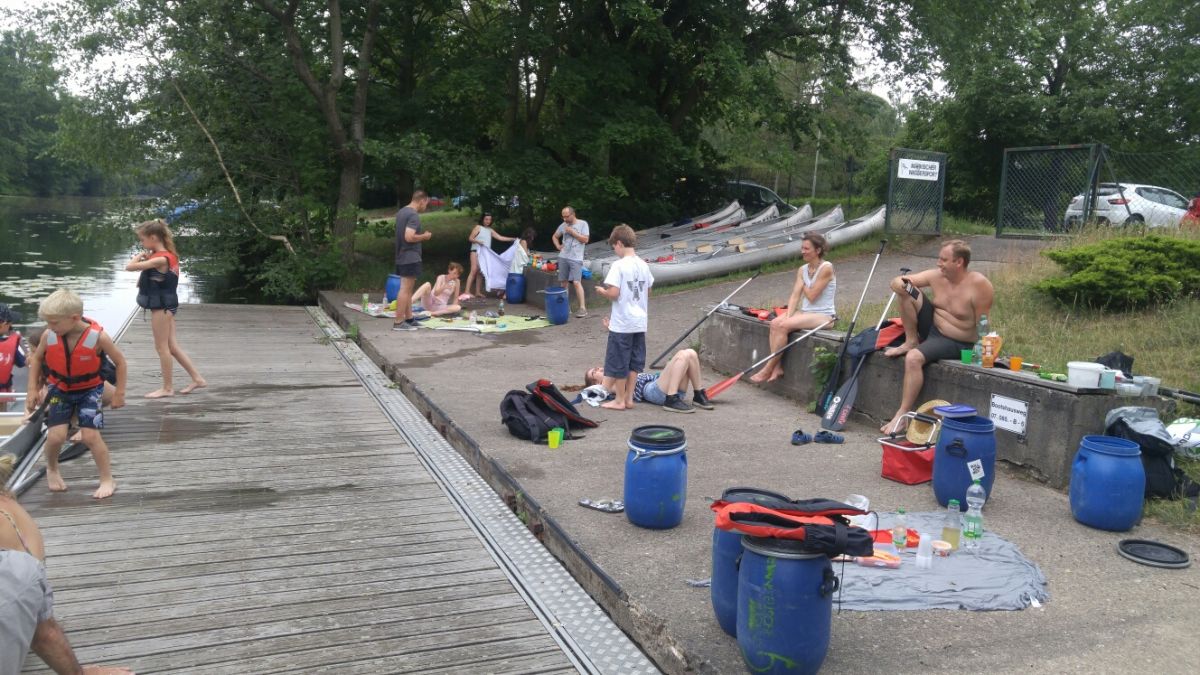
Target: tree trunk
(349,191)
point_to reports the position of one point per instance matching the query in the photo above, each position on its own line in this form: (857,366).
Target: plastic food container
(1129,389)
(1084,374)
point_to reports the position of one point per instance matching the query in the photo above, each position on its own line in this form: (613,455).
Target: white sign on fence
(1009,414)
(917,169)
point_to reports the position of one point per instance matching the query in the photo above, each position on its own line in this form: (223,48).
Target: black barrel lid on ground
(1153,553)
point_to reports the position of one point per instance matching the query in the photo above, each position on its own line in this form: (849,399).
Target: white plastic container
(1084,374)
(1151,387)
(1108,378)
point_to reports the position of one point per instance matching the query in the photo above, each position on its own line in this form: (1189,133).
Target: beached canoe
(20,437)
(730,212)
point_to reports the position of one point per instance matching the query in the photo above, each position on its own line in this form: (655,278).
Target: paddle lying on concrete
(655,363)
(721,386)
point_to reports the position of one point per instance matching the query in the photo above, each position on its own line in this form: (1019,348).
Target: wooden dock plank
(275,521)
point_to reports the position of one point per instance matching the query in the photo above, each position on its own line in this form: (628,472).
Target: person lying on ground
(26,599)
(665,388)
(811,304)
(937,327)
(439,299)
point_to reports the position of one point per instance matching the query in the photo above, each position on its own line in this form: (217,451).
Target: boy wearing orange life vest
(70,352)
(12,353)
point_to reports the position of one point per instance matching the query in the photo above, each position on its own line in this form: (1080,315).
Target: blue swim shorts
(63,405)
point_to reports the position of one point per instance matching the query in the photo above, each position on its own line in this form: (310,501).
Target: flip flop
(605,505)
(828,437)
(800,438)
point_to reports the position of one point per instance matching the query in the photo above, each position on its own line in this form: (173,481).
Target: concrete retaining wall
(539,280)
(1057,417)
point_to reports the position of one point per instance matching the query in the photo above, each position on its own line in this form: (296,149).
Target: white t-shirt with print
(630,311)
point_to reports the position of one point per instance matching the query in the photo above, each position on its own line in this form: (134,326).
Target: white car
(1130,204)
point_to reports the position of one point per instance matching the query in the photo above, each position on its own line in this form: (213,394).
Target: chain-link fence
(916,185)
(1055,190)
(1038,186)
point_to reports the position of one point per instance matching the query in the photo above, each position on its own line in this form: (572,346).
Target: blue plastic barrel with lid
(1108,483)
(963,440)
(656,477)
(784,606)
(514,289)
(727,548)
(557,308)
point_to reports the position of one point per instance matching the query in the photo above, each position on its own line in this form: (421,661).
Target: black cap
(8,315)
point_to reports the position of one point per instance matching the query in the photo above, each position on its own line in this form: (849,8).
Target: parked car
(1130,204)
(754,197)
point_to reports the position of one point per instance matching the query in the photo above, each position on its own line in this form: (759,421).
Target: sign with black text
(917,169)
(1009,414)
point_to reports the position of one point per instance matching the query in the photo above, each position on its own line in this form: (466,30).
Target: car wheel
(1135,219)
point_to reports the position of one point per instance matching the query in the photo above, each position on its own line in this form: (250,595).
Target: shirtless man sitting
(939,327)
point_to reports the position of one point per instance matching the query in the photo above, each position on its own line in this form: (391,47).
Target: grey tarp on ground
(997,577)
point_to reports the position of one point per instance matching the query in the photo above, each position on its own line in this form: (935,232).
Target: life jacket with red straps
(8,357)
(820,525)
(78,370)
(157,290)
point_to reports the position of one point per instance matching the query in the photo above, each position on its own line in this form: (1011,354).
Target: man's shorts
(409,270)
(652,393)
(626,353)
(25,601)
(933,345)
(63,405)
(570,270)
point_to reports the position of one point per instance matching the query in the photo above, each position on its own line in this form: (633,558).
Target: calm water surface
(75,243)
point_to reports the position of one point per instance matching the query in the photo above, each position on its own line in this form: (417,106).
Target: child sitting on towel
(437,299)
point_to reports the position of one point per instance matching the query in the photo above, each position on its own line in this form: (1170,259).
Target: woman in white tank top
(481,235)
(811,304)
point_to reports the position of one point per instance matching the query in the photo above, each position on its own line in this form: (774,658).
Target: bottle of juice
(953,525)
(900,531)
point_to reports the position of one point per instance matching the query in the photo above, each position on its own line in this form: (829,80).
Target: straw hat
(919,432)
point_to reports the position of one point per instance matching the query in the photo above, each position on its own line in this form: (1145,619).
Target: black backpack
(1163,479)
(532,413)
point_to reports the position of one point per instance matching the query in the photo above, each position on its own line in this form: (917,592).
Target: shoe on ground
(674,404)
(404,326)
(581,314)
(801,438)
(700,399)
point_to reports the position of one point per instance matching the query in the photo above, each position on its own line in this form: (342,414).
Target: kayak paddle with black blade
(834,378)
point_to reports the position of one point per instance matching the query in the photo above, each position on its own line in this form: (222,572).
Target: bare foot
(196,384)
(901,350)
(778,374)
(106,489)
(160,393)
(613,405)
(55,482)
(759,377)
(895,426)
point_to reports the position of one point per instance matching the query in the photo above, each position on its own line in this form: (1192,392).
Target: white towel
(494,266)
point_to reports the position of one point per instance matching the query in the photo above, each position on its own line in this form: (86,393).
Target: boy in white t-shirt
(628,287)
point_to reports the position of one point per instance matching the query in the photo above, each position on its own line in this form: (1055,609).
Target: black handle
(829,584)
(956,448)
(928,419)
(882,243)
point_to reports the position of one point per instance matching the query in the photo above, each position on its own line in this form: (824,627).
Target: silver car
(1130,204)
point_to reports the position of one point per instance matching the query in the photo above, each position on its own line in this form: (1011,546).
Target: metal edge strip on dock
(586,634)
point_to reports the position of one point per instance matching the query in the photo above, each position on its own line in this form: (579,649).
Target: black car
(754,197)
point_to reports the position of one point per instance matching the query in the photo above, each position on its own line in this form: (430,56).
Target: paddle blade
(840,407)
(715,390)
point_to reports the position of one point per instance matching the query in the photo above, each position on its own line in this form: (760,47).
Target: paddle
(843,401)
(832,385)
(655,363)
(721,386)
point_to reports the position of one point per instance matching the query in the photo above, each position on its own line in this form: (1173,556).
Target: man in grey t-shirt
(570,238)
(408,257)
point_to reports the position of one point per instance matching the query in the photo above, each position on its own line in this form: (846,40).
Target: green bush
(1125,273)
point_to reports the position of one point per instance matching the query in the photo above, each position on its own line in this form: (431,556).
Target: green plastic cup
(967,356)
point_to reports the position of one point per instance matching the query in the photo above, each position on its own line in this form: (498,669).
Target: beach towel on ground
(494,266)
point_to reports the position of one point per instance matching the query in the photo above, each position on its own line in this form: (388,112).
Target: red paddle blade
(715,390)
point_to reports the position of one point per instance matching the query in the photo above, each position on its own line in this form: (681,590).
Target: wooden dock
(273,522)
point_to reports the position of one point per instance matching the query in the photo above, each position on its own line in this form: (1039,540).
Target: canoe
(732,210)
(768,249)
(21,439)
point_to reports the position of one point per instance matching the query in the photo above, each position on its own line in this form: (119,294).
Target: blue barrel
(514,288)
(1108,483)
(393,287)
(557,308)
(963,440)
(784,606)
(727,548)
(656,477)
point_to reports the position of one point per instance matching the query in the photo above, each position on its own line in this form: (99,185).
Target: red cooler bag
(906,462)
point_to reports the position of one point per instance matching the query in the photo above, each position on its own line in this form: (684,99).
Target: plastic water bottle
(501,311)
(984,328)
(952,528)
(972,531)
(474,318)
(365,301)
(900,531)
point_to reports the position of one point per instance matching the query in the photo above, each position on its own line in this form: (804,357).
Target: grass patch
(1176,513)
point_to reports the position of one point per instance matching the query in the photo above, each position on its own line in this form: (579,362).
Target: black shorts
(409,270)
(933,345)
(626,353)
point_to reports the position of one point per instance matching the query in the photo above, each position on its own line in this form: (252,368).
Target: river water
(77,243)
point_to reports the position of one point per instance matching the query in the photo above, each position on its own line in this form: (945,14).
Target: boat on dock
(21,438)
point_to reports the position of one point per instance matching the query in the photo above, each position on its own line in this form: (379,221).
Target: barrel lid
(779,548)
(657,436)
(956,410)
(750,495)
(1153,553)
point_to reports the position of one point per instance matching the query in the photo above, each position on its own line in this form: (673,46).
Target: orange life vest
(80,369)
(8,356)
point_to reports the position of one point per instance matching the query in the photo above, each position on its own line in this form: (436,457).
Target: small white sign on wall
(1009,414)
(917,169)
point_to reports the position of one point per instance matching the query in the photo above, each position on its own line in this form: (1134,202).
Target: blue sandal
(828,437)
(800,438)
